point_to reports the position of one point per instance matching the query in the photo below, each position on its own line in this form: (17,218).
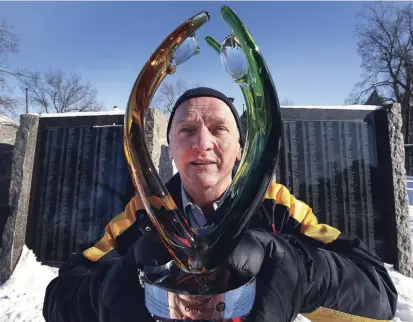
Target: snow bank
(21,296)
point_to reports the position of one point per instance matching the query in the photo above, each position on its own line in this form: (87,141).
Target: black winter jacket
(349,284)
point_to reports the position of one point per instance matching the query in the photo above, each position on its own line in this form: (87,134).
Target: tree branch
(385,42)
(64,93)
(16,74)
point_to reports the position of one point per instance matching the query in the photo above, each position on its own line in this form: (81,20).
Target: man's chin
(205,184)
(204,181)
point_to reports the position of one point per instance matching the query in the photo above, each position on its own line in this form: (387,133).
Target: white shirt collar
(194,213)
(186,200)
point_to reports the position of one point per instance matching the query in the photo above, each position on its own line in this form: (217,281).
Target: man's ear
(239,154)
(170,153)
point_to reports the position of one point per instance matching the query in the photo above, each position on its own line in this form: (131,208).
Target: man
(301,266)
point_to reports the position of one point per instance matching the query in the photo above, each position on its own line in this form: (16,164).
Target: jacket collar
(187,201)
(174,188)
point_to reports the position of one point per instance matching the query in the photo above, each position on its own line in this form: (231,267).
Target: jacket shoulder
(126,227)
(279,193)
(283,197)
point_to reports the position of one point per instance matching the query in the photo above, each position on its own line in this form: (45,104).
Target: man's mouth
(202,162)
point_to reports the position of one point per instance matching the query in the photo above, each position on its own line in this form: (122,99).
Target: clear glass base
(173,295)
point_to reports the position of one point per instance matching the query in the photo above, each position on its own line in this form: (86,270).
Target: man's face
(204,142)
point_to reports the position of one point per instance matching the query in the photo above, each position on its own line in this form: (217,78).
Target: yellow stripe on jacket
(297,209)
(303,214)
(120,223)
(113,229)
(323,314)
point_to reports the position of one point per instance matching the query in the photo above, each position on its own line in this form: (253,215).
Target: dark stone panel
(82,183)
(331,165)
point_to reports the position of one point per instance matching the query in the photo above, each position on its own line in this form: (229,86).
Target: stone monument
(347,163)
(14,232)
(70,178)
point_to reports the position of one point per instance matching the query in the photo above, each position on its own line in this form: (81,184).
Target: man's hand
(279,264)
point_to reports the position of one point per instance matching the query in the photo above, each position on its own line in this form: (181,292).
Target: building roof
(374,99)
(6,120)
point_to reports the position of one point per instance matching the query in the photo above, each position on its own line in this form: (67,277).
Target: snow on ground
(21,296)
(404,287)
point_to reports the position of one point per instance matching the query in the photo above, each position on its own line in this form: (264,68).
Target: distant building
(4,120)
(374,99)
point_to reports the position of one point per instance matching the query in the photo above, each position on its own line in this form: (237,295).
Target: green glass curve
(264,128)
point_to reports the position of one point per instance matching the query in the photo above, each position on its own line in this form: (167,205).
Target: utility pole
(27,100)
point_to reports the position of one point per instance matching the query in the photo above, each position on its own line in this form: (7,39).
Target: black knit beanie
(206,92)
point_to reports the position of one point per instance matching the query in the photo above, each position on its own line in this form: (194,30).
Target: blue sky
(309,47)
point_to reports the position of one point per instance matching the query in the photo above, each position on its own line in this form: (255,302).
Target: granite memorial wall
(343,162)
(80,182)
(69,179)
(330,159)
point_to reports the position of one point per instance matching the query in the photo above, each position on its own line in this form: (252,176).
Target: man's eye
(220,129)
(185,130)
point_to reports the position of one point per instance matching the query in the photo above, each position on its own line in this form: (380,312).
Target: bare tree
(156,101)
(287,102)
(168,93)
(385,44)
(57,92)
(8,44)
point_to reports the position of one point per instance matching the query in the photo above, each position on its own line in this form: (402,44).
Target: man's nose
(204,140)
